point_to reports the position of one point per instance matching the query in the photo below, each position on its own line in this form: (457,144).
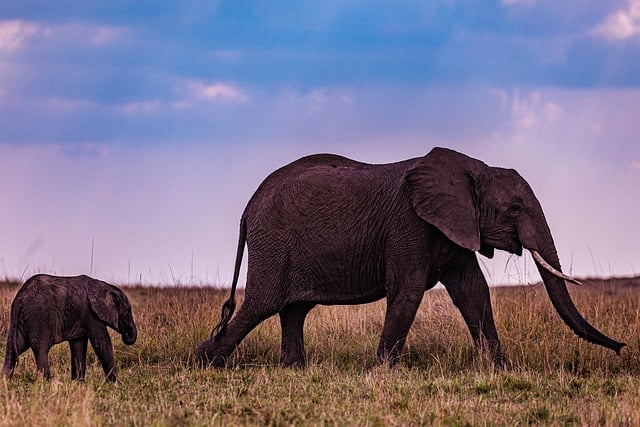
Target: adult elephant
(329,230)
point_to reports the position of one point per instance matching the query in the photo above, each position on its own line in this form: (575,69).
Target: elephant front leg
(101,343)
(401,311)
(469,291)
(78,349)
(292,323)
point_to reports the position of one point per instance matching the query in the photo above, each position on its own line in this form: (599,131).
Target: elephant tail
(230,305)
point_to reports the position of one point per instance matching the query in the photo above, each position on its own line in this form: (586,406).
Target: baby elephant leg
(78,358)
(101,343)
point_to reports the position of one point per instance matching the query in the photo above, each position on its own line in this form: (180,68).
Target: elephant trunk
(130,335)
(554,281)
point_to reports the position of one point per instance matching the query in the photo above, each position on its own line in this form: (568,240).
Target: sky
(132,133)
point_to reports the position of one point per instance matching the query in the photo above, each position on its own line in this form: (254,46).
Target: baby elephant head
(112,307)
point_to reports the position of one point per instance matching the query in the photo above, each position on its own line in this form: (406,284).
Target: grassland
(553,377)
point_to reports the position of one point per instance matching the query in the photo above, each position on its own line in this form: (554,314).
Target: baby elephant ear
(104,303)
(443,193)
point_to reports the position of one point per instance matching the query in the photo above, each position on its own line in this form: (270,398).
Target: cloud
(197,92)
(621,25)
(528,110)
(67,105)
(106,35)
(14,33)
(220,92)
(76,34)
(324,98)
(518,2)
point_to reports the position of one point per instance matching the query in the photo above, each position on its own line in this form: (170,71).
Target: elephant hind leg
(292,319)
(41,353)
(9,366)
(15,347)
(216,350)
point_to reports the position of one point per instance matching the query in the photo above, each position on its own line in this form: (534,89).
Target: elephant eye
(515,209)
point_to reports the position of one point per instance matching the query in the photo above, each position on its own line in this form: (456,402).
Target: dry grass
(553,377)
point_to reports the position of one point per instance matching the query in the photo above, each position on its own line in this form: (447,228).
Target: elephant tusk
(550,269)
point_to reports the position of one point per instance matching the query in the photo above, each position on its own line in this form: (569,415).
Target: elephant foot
(8,368)
(495,351)
(293,356)
(7,373)
(293,362)
(391,359)
(112,378)
(499,363)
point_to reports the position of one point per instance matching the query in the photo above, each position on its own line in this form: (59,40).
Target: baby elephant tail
(230,305)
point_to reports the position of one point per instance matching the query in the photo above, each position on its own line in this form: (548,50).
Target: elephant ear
(104,303)
(443,193)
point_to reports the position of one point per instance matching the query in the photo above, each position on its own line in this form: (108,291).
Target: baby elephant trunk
(129,335)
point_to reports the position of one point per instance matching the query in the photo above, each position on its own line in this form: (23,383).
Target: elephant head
(112,307)
(483,208)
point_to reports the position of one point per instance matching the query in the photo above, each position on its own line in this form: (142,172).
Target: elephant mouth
(514,246)
(517,249)
(502,238)
(486,250)
(511,245)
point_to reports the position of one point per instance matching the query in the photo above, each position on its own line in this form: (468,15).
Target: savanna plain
(553,377)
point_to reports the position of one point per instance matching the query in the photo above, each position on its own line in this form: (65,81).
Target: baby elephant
(49,309)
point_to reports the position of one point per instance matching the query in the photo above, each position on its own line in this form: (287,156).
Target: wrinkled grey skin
(49,309)
(329,230)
